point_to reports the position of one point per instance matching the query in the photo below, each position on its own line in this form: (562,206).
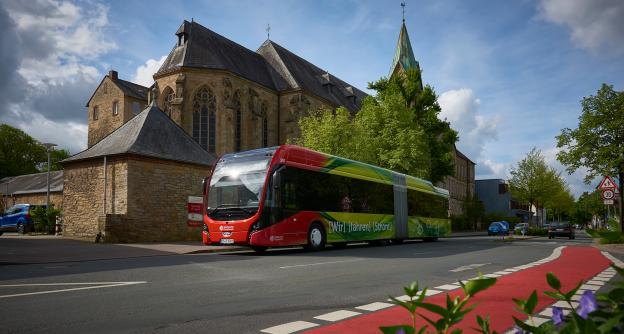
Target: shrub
(538,231)
(606,237)
(44,219)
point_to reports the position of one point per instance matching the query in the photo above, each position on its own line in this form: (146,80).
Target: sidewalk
(185,247)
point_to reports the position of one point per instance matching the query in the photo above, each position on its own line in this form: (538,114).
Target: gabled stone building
(133,185)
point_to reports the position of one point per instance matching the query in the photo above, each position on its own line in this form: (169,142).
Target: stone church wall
(103,99)
(293,106)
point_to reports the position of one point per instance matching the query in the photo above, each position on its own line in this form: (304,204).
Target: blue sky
(510,74)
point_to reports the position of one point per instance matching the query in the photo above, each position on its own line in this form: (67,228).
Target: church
(150,148)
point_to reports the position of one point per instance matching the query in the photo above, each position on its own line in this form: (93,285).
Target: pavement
(119,288)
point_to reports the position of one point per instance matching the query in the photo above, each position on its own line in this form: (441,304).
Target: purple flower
(520,330)
(557,315)
(587,304)
(400,331)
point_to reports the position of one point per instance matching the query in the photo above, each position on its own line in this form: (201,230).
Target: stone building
(462,184)
(133,184)
(31,189)
(225,96)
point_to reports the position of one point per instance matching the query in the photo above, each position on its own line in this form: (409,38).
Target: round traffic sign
(607,194)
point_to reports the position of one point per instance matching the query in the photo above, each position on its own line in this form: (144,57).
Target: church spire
(403,55)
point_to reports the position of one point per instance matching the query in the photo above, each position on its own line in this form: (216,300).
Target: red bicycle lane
(575,264)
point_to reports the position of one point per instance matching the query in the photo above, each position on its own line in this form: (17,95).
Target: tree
(597,142)
(532,180)
(397,129)
(22,154)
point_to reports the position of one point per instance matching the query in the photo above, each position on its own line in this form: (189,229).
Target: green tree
(22,154)
(474,211)
(597,142)
(532,180)
(397,129)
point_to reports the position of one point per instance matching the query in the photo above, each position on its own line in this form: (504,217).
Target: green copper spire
(403,56)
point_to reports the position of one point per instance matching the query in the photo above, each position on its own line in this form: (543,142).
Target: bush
(607,237)
(495,217)
(45,219)
(460,223)
(538,231)
(589,316)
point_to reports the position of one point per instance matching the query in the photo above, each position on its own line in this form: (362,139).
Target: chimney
(112,74)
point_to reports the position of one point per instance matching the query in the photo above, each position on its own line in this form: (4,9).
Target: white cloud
(67,135)
(144,73)
(460,107)
(593,24)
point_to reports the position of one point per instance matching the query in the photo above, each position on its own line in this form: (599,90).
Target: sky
(509,74)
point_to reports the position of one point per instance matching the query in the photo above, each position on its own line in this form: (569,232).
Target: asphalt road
(239,292)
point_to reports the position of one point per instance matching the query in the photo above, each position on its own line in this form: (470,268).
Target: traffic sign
(607,183)
(608,202)
(608,194)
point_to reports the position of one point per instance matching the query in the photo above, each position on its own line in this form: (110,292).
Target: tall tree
(397,129)
(532,180)
(598,142)
(22,154)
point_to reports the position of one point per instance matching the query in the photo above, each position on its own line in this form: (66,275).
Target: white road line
(376,306)
(469,267)
(57,284)
(337,315)
(548,312)
(502,273)
(447,287)
(67,290)
(290,327)
(604,279)
(319,263)
(564,304)
(590,287)
(492,275)
(403,298)
(537,320)
(595,282)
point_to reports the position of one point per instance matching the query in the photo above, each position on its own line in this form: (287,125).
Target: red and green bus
(290,195)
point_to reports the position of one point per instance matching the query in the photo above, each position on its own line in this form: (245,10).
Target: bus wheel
(259,249)
(316,237)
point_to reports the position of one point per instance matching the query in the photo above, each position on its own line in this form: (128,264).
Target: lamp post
(49,147)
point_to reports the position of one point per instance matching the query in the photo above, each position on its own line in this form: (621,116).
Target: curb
(222,250)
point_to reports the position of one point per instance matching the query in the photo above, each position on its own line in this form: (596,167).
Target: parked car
(17,218)
(499,228)
(561,230)
(522,228)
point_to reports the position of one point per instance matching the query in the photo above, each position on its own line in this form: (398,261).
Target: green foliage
(496,217)
(43,219)
(22,154)
(474,212)
(397,129)
(589,316)
(537,231)
(606,236)
(596,143)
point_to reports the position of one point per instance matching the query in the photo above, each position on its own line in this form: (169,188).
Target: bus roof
(342,166)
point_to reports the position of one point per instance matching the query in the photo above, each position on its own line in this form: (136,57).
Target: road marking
(290,327)
(604,279)
(91,286)
(491,275)
(337,315)
(502,273)
(319,263)
(376,306)
(595,282)
(469,267)
(447,287)
(564,304)
(590,287)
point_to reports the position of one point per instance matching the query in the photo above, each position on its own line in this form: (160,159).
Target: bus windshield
(236,186)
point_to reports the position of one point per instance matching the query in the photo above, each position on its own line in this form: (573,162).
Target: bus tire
(259,249)
(316,237)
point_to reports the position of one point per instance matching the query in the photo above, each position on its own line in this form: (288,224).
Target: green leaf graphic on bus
(347,226)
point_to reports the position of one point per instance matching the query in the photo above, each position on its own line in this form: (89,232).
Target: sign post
(195,211)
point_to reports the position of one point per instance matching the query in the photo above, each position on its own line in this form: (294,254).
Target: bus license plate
(227,241)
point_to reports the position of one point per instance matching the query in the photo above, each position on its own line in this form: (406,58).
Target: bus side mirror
(205,186)
(277,179)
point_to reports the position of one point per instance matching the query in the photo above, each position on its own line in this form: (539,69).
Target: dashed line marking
(564,304)
(590,287)
(337,315)
(376,306)
(319,263)
(290,327)
(447,287)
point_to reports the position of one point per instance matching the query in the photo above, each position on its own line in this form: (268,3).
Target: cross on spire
(403,9)
(268,30)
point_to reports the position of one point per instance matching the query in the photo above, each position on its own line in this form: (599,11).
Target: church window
(238,131)
(115,108)
(204,119)
(169,96)
(265,133)
(96,113)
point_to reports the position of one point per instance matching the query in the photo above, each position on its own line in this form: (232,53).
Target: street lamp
(49,147)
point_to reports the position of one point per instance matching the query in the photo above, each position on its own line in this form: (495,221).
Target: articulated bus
(290,195)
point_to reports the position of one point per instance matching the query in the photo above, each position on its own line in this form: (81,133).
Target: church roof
(403,55)
(299,73)
(200,47)
(151,133)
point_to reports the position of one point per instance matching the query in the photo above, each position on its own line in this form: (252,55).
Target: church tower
(403,55)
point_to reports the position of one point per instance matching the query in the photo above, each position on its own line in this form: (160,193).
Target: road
(239,292)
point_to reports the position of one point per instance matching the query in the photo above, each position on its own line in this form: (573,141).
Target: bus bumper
(205,237)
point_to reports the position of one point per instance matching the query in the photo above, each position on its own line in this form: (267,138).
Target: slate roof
(300,73)
(204,48)
(272,65)
(150,133)
(403,55)
(32,183)
(132,89)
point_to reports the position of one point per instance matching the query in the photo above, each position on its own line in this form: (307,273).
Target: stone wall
(56,199)
(83,195)
(293,106)
(461,185)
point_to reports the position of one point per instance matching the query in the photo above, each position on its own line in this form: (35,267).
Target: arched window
(237,131)
(265,127)
(168,96)
(204,119)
